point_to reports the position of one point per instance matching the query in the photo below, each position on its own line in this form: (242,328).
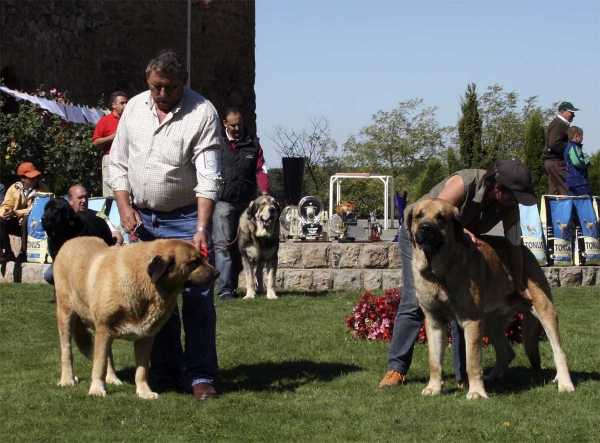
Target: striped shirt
(168,165)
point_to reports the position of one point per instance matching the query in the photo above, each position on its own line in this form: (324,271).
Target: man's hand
(129,218)
(474,240)
(201,240)
(9,214)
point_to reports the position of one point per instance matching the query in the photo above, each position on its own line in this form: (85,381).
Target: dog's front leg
(102,348)
(436,338)
(474,342)
(271,277)
(142,348)
(111,375)
(250,279)
(66,325)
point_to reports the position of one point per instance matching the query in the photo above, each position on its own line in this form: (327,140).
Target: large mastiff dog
(127,293)
(259,245)
(456,280)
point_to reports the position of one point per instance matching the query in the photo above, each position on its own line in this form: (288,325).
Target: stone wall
(331,266)
(94,47)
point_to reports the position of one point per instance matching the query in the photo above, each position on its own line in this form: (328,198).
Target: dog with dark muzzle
(473,284)
(259,244)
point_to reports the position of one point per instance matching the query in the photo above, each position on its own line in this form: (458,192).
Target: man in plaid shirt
(164,168)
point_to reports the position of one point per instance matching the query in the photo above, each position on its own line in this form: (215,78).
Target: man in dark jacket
(556,142)
(242,169)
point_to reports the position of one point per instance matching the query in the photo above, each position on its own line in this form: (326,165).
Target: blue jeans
(409,318)
(576,191)
(198,362)
(228,260)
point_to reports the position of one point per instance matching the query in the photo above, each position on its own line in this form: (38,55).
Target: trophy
(375,227)
(312,219)
(349,231)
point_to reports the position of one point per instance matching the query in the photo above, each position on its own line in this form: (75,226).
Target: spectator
(577,164)
(242,168)
(105,133)
(15,208)
(78,198)
(166,156)
(556,142)
(2,192)
(483,199)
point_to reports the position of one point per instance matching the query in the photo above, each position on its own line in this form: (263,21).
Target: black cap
(516,176)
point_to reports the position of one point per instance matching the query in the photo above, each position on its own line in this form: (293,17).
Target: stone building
(91,48)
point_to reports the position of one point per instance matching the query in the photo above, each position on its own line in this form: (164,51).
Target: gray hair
(167,61)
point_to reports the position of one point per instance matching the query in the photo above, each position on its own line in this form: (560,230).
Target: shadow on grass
(275,377)
(282,376)
(523,378)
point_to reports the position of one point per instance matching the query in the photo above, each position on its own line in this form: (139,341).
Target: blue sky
(347,59)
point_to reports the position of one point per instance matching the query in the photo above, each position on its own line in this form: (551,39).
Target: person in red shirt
(105,133)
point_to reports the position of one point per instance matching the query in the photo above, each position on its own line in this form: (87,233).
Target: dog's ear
(250,211)
(458,226)
(158,266)
(409,220)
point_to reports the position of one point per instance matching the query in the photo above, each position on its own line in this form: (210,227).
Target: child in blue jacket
(577,163)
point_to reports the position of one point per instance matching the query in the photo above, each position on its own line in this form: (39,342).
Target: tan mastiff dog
(124,292)
(457,280)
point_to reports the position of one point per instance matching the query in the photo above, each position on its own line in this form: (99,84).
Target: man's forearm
(206,208)
(100,142)
(122,199)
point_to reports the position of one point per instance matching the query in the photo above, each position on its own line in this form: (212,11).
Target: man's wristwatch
(203,229)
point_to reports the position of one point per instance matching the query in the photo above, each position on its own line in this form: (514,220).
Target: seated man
(15,209)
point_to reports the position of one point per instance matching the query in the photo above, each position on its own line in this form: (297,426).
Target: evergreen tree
(453,161)
(533,147)
(594,173)
(435,172)
(469,130)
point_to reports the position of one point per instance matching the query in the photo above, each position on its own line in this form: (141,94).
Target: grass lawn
(290,371)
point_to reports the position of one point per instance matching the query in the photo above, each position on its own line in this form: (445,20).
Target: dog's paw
(97,392)
(113,381)
(271,295)
(429,390)
(473,394)
(564,387)
(147,395)
(249,297)
(67,382)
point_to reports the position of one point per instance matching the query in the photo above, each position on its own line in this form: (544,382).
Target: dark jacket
(556,139)
(238,170)
(577,165)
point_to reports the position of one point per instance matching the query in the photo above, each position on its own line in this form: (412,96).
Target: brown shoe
(391,379)
(203,391)
(462,384)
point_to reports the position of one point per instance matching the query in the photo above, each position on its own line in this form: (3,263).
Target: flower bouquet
(374,317)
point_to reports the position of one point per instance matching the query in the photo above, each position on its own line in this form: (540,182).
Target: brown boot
(391,379)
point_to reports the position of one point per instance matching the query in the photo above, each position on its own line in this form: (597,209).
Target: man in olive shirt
(556,142)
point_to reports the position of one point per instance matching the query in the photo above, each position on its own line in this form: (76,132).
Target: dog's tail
(83,338)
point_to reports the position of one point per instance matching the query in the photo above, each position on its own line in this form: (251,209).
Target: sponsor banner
(586,248)
(556,213)
(37,242)
(532,233)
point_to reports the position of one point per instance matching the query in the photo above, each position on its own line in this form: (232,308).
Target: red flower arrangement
(374,317)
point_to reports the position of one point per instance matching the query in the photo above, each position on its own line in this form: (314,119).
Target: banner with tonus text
(586,249)
(531,232)
(556,217)
(37,243)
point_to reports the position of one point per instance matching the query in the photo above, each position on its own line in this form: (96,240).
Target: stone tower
(91,48)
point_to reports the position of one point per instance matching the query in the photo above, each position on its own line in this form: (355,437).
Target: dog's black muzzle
(428,236)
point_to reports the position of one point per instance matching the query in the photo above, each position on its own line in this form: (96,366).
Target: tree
(594,173)
(533,147)
(453,161)
(318,149)
(398,143)
(434,173)
(469,130)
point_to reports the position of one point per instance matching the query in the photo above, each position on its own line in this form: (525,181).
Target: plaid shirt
(168,165)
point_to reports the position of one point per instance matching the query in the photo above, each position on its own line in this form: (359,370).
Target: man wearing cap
(556,142)
(483,198)
(15,210)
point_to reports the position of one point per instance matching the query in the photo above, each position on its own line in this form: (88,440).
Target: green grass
(290,371)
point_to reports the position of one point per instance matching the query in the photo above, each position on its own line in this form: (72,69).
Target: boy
(577,164)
